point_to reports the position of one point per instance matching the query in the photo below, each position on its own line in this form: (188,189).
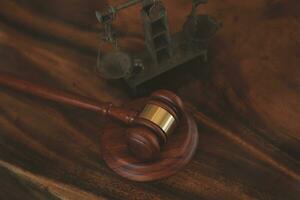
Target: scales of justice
(163,51)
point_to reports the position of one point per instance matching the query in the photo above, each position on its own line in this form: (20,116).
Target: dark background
(246,103)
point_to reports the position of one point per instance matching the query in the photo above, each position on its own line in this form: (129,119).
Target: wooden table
(246,103)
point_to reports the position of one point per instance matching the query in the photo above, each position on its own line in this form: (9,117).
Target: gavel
(148,129)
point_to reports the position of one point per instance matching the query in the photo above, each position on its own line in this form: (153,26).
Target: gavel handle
(106,109)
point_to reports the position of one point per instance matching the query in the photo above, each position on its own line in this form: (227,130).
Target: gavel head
(154,125)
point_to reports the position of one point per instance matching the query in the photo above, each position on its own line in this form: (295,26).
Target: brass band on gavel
(159,116)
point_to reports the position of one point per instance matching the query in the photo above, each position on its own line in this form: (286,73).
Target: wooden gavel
(149,129)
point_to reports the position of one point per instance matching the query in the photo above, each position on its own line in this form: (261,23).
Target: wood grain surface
(246,103)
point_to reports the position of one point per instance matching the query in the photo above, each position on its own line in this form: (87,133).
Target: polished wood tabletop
(245,102)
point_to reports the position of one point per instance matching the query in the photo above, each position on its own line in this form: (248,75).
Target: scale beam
(110,14)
